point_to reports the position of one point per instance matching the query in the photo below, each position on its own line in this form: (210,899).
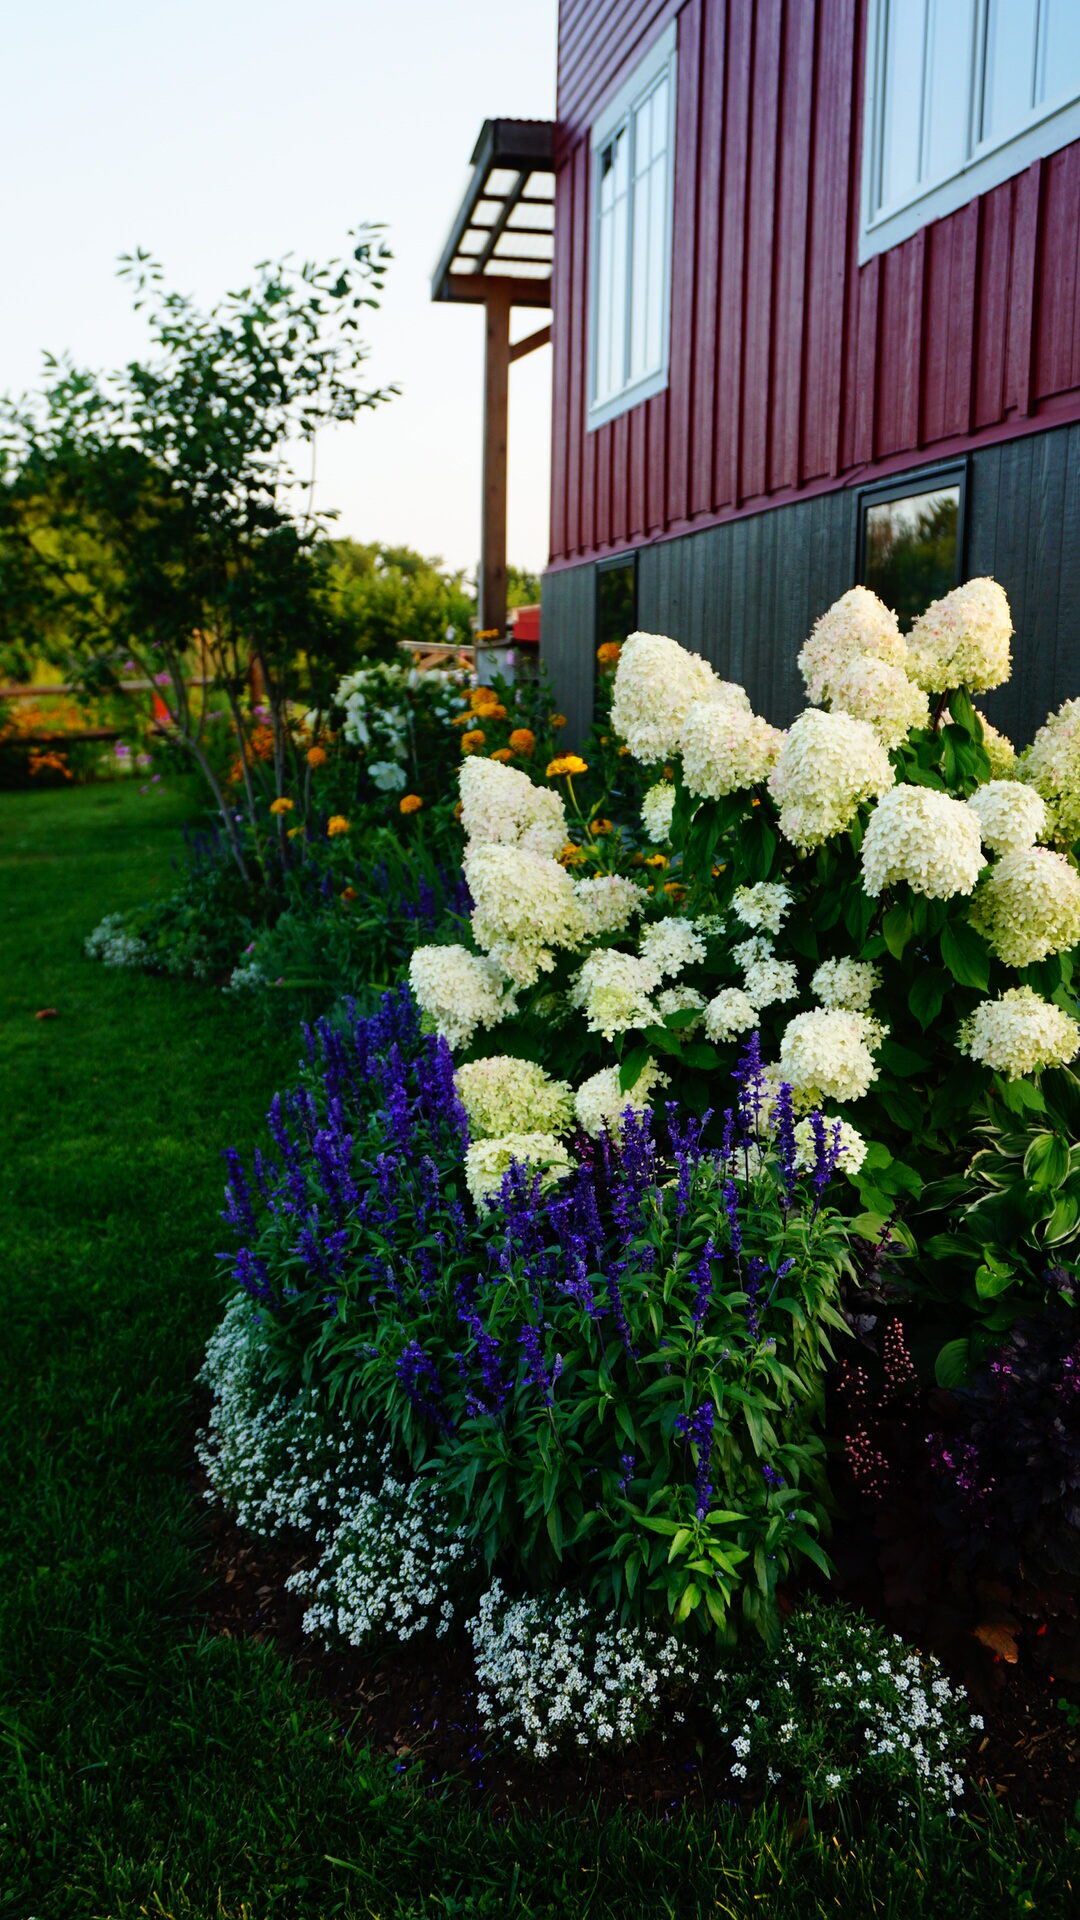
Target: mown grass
(149,1770)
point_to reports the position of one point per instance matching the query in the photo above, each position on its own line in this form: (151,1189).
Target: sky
(217,133)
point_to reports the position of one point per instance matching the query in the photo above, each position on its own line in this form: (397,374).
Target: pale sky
(217,133)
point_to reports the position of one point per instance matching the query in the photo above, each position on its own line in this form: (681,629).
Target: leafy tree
(388,594)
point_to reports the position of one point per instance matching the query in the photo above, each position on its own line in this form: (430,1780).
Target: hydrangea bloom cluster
(729,1013)
(671,944)
(500,805)
(607,903)
(849,1142)
(1052,766)
(963,640)
(525,909)
(856,626)
(488,1161)
(726,748)
(846,983)
(881,694)
(615,991)
(768,980)
(765,905)
(826,1054)
(1011,816)
(829,764)
(922,836)
(459,991)
(1028,906)
(1020,1033)
(656,683)
(600,1102)
(681,1000)
(111,943)
(503,1095)
(656,811)
(554,1674)
(999,749)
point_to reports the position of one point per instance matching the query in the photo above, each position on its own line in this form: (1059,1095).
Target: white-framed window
(632,153)
(960,94)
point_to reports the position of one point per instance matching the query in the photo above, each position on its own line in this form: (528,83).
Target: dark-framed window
(616,600)
(909,537)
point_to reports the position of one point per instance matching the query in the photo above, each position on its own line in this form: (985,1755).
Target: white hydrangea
(656,683)
(525,908)
(768,980)
(501,805)
(846,983)
(725,749)
(881,694)
(852,1145)
(926,838)
(829,764)
(670,945)
(963,640)
(460,991)
(487,1161)
(826,1054)
(608,903)
(681,1000)
(505,1095)
(729,1012)
(615,988)
(1010,815)
(554,1673)
(1002,755)
(389,1569)
(856,626)
(1028,906)
(114,946)
(749,952)
(766,904)
(1020,1033)
(600,1102)
(656,811)
(1052,766)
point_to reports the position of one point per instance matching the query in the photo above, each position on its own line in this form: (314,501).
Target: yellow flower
(656,860)
(571,856)
(410,803)
(458,811)
(461,720)
(599,827)
(566,763)
(336,824)
(293,831)
(623,750)
(558,719)
(481,699)
(488,633)
(349,893)
(317,757)
(501,753)
(281,805)
(609,653)
(523,740)
(471,740)
(673,888)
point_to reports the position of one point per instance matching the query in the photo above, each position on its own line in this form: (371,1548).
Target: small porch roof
(502,235)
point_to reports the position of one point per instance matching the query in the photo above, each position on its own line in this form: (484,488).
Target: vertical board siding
(791,365)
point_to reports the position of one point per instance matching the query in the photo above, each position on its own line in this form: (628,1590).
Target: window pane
(949,54)
(1060,61)
(902,116)
(1009,79)
(660,118)
(910,550)
(609,375)
(615,596)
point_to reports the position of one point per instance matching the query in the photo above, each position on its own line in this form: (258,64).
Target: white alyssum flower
(608,903)
(1011,816)
(554,1673)
(962,640)
(856,626)
(656,812)
(656,682)
(670,945)
(846,983)
(1020,1033)
(615,990)
(766,905)
(729,1013)
(924,837)
(111,943)
(881,694)
(488,1161)
(828,766)
(459,991)
(1052,766)
(500,805)
(681,1000)
(503,1095)
(1028,906)
(726,749)
(387,775)
(851,1143)
(769,980)
(525,909)
(826,1054)
(600,1102)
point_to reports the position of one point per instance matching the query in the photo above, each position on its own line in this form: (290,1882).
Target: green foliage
(388,594)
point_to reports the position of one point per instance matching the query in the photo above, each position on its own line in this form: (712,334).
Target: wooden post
(496,397)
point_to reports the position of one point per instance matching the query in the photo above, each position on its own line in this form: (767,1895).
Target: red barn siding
(792,368)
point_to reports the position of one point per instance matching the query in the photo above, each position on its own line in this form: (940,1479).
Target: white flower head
(726,749)
(729,1013)
(1002,755)
(924,837)
(681,1000)
(670,945)
(1052,766)
(846,983)
(881,694)
(657,809)
(828,766)
(460,991)
(614,988)
(963,640)
(857,626)
(768,980)
(504,1095)
(501,805)
(488,1161)
(1019,1034)
(852,1146)
(826,1054)
(656,682)
(1028,906)
(766,905)
(525,909)
(600,1102)
(387,775)
(608,903)
(1011,816)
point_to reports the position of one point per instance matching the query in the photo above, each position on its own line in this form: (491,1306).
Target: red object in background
(161,711)
(47,1013)
(525,625)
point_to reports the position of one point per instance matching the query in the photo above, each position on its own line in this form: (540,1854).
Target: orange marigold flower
(336,824)
(281,805)
(656,860)
(523,740)
(566,763)
(501,753)
(317,756)
(483,697)
(608,654)
(558,719)
(410,803)
(623,750)
(293,831)
(599,827)
(673,888)
(470,741)
(462,720)
(349,893)
(488,633)
(571,856)
(458,811)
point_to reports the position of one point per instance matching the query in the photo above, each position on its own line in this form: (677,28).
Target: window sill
(642,390)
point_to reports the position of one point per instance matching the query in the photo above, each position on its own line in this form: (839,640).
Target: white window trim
(662,54)
(1046,131)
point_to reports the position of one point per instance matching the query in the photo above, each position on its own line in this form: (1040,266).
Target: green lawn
(146,1769)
